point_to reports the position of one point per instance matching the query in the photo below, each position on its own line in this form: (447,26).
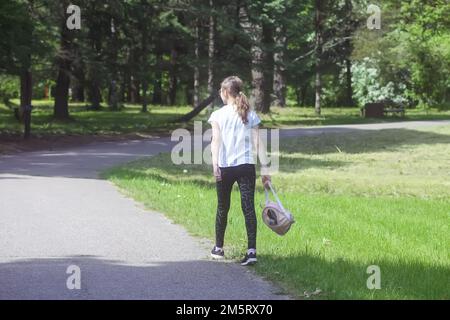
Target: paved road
(55,212)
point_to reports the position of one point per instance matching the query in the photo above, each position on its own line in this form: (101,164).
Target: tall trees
(279,84)
(254,29)
(318,54)
(115,17)
(78,81)
(349,28)
(135,49)
(196,98)
(173,77)
(16,46)
(157,78)
(26,84)
(20,43)
(93,52)
(281,14)
(144,53)
(211,47)
(61,105)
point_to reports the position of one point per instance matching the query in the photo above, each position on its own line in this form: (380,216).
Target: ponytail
(233,86)
(243,106)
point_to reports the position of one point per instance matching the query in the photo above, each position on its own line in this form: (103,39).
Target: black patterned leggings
(245,175)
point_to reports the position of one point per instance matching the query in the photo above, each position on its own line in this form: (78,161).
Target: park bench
(381,109)
(395,110)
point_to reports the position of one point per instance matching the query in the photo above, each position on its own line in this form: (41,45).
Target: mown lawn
(287,117)
(160,119)
(103,122)
(360,199)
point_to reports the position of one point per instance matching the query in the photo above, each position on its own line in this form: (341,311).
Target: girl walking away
(235,138)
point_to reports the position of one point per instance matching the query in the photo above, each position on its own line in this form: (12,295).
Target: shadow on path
(87,161)
(113,279)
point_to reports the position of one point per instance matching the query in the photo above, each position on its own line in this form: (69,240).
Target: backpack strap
(274,194)
(267,195)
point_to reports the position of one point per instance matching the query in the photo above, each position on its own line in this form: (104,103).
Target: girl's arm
(261,153)
(215,145)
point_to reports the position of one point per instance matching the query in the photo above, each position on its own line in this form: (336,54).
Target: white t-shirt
(237,144)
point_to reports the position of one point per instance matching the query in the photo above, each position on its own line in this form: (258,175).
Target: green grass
(104,122)
(158,119)
(285,117)
(373,198)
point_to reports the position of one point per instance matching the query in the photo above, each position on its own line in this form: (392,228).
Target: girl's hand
(217,173)
(265,181)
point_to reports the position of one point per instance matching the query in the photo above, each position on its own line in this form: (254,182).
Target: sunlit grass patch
(382,199)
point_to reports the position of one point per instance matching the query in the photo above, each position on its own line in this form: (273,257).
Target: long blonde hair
(233,86)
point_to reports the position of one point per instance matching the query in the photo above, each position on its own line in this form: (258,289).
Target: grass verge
(371,198)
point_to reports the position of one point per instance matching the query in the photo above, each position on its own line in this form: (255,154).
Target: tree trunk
(94,73)
(78,91)
(279,84)
(211,50)
(144,95)
(298,96)
(113,95)
(304,94)
(173,80)
(78,79)
(95,96)
(318,82)
(188,94)
(123,87)
(318,86)
(268,66)
(196,66)
(128,87)
(348,76)
(198,108)
(136,90)
(255,31)
(133,91)
(113,99)
(26,88)
(144,61)
(26,93)
(348,50)
(61,106)
(157,83)
(128,78)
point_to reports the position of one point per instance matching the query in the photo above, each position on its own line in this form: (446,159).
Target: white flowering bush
(367,84)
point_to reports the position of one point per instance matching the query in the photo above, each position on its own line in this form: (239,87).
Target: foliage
(8,87)
(412,49)
(124,46)
(367,84)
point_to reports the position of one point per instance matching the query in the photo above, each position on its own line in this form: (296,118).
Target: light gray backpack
(275,216)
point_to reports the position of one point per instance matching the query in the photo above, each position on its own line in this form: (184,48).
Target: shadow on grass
(351,119)
(342,279)
(170,173)
(332,120)
(173,179)
(89,123)
(314,142)
(83,162)
(332,140)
